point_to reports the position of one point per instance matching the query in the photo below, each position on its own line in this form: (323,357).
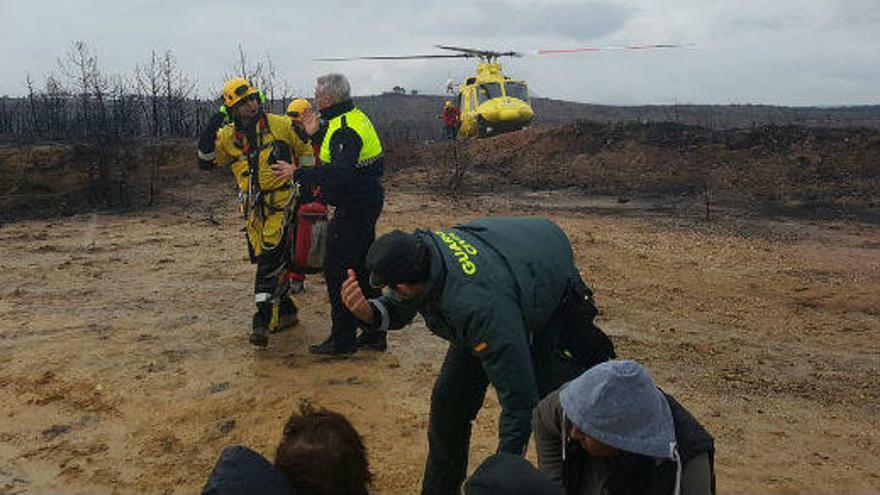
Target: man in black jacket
(350,180)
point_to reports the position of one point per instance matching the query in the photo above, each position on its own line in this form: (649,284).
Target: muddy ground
(126,367)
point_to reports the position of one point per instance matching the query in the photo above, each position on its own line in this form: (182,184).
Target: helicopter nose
(509,114)
(515,113)
(492,114)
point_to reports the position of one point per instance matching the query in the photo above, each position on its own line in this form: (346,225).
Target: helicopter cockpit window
(487,91)
(517,90)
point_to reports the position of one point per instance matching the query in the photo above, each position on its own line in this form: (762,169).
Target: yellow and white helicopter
(491,102)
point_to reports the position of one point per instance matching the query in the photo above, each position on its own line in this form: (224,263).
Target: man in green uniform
(506,295)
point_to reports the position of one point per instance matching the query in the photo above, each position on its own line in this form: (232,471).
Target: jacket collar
(337,109)
(260,120)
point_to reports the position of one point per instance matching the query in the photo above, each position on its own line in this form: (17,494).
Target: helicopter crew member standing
(350,180)
(250,144)
(450,120)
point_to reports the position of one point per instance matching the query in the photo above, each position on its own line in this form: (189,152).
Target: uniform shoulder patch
(482,346)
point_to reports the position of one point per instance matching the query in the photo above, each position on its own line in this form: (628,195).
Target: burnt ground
(770,170)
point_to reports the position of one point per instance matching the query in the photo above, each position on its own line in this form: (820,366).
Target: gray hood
(617,403)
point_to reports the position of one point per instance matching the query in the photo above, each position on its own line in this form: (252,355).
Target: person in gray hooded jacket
(611,431)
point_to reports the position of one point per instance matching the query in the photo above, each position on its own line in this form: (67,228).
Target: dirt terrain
(126,365)
(126,369)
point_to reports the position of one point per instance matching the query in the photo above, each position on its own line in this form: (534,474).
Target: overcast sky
(784,52)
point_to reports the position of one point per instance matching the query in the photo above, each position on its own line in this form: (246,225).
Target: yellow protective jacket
(268,200)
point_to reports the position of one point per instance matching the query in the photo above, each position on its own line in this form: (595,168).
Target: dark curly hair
(322,454)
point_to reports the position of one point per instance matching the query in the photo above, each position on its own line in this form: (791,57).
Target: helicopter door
(468,121)
(467,100)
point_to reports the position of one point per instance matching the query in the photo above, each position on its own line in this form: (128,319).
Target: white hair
(335,87)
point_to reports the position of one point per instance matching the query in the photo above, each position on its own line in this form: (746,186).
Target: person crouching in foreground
(320,453)
(611,431)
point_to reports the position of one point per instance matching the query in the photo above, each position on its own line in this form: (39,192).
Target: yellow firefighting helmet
(297,107)
(448,104)
(237,89)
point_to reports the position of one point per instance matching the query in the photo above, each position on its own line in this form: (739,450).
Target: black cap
(510,474)
(397,258)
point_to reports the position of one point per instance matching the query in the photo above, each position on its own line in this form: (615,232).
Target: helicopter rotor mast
(489,56)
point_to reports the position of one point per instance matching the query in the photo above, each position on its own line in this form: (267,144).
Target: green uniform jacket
(494,283)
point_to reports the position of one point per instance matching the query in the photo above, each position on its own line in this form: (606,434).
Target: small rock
(55,431)
(225,427)
(216,388)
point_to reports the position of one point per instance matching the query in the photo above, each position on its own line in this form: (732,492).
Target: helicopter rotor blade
(389,57)
(480,53)
(489,55)
(613,48)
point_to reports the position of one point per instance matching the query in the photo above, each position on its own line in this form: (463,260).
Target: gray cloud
(583,21)
(796,52)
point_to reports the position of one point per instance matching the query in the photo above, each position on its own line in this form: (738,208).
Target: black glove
(216,121)
(207,138)
(209,133)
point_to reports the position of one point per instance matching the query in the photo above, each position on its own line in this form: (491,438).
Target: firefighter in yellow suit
(250,145)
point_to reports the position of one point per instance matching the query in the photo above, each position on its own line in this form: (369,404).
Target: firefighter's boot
(287,315)
(262,320)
